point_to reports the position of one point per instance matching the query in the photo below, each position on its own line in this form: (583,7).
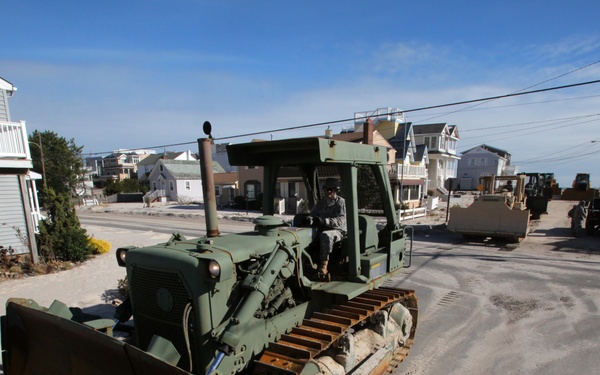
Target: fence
(412,213)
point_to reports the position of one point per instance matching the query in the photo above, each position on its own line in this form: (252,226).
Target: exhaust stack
(208,184)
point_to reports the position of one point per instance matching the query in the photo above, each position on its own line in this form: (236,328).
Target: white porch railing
(152,195)
(380,114)
(37,217)
(13,140)
(399,171)
(412,213)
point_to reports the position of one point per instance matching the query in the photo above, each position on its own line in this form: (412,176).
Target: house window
(450,165)
(478,162)
(452,145)
(154,185)
(292,189)
(431,142)
(217,190)
(188,185)
(161,168)
(171,185)
(252,189)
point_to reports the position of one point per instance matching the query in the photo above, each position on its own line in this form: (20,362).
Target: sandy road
(494,308)
(485,308)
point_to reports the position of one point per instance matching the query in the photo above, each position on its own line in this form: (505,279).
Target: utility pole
(39,144)
(42,158)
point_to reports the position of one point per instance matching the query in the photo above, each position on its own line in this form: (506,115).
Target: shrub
(61,236)
(239,202)
(123,287)
(99,246)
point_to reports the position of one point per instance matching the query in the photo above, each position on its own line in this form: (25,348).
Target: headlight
(121,254)
(214,268)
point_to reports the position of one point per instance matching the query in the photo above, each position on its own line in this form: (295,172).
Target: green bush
(61,236)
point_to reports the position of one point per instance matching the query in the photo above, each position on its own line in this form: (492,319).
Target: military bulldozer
(499,212)
(248,302)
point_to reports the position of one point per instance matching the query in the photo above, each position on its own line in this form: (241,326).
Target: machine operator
(329,214)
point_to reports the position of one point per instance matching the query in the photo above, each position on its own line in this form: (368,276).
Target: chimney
(368,132)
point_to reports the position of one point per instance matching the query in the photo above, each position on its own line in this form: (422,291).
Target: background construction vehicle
(537,201)
(497,212)
(581,189)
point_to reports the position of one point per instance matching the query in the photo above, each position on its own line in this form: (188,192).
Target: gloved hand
(317,221)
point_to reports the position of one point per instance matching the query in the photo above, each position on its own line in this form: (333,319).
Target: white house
(145,166)
(441,140)
(480,161)
(19,209)
(177,180)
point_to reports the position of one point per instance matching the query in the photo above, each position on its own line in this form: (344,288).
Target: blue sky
(134,74)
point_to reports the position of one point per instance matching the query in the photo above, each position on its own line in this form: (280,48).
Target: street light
(42,158)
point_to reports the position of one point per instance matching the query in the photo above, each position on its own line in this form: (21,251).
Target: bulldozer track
(294,350)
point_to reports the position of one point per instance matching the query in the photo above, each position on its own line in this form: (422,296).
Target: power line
(547,129)
(510,105)
(534,122)
(416,109)
(518,91)
(366,117)
(551,126)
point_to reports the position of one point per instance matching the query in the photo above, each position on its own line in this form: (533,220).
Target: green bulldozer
(248,302)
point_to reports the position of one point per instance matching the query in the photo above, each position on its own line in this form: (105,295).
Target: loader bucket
(36,342)
(490,217)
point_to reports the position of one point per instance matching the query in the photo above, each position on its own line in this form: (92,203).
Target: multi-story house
(122,164)
(441,140)
(481,161)
(219,154)
(408,169)
(19,208)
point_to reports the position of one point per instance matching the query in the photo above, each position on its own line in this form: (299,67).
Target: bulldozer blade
(489,216)
(36,342)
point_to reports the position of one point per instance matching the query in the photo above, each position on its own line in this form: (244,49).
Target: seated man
(508,187)
(329,214)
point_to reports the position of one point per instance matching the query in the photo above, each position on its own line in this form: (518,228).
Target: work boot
(323,267)
(323,272)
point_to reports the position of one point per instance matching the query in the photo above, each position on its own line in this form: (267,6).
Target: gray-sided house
(177,180)
(19,209)
(480,161)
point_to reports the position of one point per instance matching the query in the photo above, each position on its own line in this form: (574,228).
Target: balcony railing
(399,171)
(14,147)
(380,114)
(13,140)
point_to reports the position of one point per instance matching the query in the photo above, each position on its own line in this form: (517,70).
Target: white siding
(4,114)
(194,194)
(12,216)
